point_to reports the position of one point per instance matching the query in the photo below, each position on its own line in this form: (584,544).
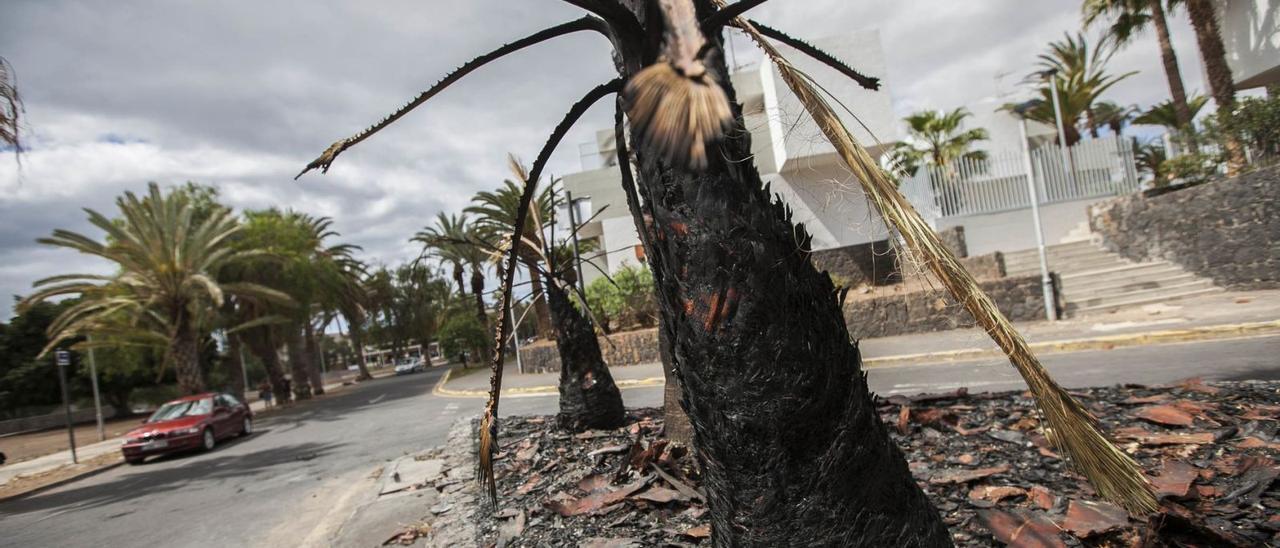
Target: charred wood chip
(1175,525)
(945,477)
(1088,518)
(1166,415)
(1030,530)
(1175,479)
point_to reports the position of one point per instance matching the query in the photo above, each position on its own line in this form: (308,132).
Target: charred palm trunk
(184,353)
(477,290)
(675,421)
(315,371)
(791,446)
(297,351)
(589,399)
(1208,36)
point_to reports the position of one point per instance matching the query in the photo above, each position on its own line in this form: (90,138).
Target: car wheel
(209,440)
(246,427)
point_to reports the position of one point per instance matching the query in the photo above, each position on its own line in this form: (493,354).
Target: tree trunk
(1205,22)
(789,441)
(477,290)
(1177,93)
(297,352)
(541,312)
(263,345)
(588,397)
(357,340)
(675,421)
(315,370)
(235,365)
(184,354)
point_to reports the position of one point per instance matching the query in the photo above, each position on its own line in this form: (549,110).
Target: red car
(193,422)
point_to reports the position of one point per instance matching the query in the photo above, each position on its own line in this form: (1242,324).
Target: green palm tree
(165,285)
(1165,114)
(495,219)
(1204,20)
(938,138)
(1114,116)
(1128,19)
(457,241)
(1081,78)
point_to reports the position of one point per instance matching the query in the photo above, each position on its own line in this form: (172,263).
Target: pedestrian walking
(264,393)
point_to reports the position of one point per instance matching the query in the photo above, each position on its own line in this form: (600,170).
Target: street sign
(62,358)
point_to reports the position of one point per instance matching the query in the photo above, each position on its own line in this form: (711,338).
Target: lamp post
(97,400)
(1046,281)
(1051,76)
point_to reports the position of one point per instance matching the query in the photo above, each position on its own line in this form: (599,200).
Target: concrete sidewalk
(92,458)
(1208,317)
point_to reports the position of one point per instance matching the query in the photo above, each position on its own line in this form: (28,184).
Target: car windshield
(179,409)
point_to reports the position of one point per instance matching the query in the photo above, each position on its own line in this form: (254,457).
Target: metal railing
(1099,168)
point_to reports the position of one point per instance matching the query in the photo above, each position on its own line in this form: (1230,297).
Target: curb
(1105,342)
(532,391)
(77,477)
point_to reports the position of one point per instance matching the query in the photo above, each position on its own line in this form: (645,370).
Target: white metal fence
(1098,168)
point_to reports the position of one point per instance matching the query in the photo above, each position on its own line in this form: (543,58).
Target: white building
(1251,35)
(790,152)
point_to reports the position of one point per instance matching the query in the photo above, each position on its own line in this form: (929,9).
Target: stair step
(1125,269)
(1140,301)
(1136,273)
(1120,283)
(1182,283)
(1034,256)
(1065,267)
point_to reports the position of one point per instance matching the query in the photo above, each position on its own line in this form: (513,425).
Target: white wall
(1014,230)
(1251,34)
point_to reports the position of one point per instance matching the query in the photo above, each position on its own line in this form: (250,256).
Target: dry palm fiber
(1071,428)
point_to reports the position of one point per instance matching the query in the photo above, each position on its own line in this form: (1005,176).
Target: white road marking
(377,399)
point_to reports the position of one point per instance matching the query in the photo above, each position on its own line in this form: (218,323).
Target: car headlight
(187,431)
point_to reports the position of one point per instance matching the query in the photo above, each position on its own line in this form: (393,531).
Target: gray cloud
(241,94)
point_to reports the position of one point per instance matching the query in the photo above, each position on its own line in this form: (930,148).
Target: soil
(1211,450)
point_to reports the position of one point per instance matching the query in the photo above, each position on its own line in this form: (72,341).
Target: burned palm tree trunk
(589,399)
(675,421)
(793,451)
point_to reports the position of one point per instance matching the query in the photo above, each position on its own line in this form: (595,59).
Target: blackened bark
(477,290)
(184,353)
(315,371)
(589,399)
(297,352)
(791,446)
(675,421)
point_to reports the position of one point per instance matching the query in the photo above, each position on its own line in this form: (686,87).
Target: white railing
(1099,167)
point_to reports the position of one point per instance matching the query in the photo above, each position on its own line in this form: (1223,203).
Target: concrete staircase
(1094,279)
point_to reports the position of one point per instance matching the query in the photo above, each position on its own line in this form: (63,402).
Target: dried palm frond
(1070,427)
(675,104)
(10,107)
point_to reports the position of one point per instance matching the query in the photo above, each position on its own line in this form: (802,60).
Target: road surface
(295,480)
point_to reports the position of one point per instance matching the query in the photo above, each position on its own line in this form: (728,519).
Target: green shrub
(1188,170)
(461,333)
(627,300)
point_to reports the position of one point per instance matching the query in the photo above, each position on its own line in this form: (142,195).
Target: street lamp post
(97,400)
(1052,77)
(1046,281)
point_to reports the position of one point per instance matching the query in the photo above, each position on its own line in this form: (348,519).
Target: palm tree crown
(938,138)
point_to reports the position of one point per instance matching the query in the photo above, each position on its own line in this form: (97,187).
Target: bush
(461,333)
(627,300)
(1188,170)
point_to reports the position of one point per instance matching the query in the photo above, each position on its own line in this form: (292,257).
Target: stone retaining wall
(630,348)
(1228,230)
(934,310)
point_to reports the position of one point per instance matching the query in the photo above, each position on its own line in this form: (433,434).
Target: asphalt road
(294,481)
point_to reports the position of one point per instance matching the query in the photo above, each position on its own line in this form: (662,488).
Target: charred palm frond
(1071,428)
(726,14)
(330,154)
(11,108)
(489,420)
(676,103)
(868,82)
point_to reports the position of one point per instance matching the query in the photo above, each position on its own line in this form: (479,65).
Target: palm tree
(1081,77)
(785,427)
(1221,83)
(457,241)
(495,218)
(1127,19)
(1165,114)
(1114,116)
(166,283)
(938,138)
(10,107)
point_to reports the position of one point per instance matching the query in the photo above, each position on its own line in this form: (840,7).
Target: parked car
(409,366)
(191,423)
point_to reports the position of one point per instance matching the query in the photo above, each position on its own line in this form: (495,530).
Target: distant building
(790,152)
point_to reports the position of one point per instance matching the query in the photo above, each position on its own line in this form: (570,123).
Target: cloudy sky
(242,94)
